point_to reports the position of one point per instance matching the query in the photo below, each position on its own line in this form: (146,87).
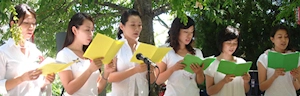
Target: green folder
(287,61)
(191,59)
(237,69)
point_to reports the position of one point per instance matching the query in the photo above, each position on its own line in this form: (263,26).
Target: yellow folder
(49,66)
(103,46)
(155,54)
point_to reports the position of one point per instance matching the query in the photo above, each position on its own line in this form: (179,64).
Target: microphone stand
(148,67)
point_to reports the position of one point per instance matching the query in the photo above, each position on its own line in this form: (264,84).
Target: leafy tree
(253,18)
(53,16)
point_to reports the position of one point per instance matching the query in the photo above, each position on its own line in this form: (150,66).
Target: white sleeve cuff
(2,86)
(41,81)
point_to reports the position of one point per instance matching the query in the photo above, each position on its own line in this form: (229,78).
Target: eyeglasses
(28,24)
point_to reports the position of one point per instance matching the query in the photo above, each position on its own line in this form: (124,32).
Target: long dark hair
(21,9)
(226,34)
(76,21)
(124,19)
(174,33)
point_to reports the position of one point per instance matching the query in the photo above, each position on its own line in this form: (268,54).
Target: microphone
(146,60)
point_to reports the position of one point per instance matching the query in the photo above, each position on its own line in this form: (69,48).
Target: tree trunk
(145,9)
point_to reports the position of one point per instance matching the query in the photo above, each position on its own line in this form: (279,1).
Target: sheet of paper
(152,52)
(49,66)
(103,46)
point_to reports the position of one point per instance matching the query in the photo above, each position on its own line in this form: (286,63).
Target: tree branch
(50,14)
(161,9)
(162,22)
(69,5)
(114,6)
(156,1)
(101,15)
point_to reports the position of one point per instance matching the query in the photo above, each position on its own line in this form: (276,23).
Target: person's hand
(109,68)
(49,78)
(197,68)
(278,72)
(178,66)
(295,73)
(152,68)
(246,77)
(31,75)
(228,78)
(140,68)
(96,64)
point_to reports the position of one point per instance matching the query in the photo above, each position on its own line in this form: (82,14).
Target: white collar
(123,38)
(11,42)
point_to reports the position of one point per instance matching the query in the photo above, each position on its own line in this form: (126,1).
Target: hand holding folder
(103,46)
(236,69)
(154,53)
(191,59)
(287,61)
(49,66)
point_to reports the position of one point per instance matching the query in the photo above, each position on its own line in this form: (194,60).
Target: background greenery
(254,18)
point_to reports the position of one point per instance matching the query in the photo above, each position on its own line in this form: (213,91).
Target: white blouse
(13,63)
(90,86)
(181,82)
(135,85)
(233,88)
(282,85)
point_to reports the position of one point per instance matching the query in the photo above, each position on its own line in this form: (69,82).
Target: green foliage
(54,17)
(253,18)
(180,8)
(287,12)
(56,86)
(15,30)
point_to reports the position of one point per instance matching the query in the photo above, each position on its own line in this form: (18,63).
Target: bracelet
(103,77)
